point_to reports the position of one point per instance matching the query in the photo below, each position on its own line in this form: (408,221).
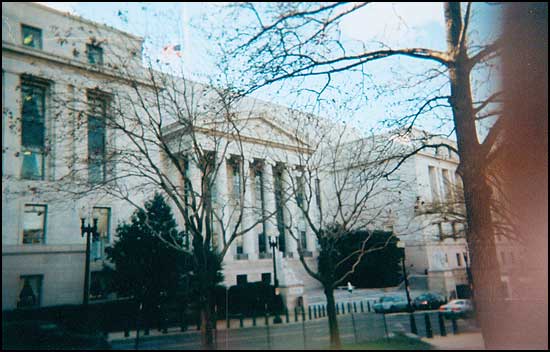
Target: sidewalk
(464,341)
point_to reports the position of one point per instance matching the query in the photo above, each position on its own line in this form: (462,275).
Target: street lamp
(87,230)
(273,245)
(401,244)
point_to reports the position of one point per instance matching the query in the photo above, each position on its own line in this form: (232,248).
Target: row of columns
(250,215)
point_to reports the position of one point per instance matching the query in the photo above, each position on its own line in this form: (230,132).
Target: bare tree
(339,188)
(302,42)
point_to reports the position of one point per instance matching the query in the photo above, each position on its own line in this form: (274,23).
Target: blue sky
(395,24)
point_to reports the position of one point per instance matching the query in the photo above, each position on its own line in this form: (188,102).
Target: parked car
(36,334)
(428,300)
(390,304)
(457,308)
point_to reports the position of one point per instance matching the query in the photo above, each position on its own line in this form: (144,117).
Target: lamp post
(273,245)
(87,230)
(401,244)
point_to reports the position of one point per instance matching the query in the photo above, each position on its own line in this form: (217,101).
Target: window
(32,36)
(458,260)
(262,242)
(95,54)
(303,240)
(234,173)
(96,137)
(279,205)
(318,192)
(103,216)
(433,184)
(185,179)
(34,224)
(33,130)
(239,245)
(242,279)
(30,291)
(447,186)
(266,278)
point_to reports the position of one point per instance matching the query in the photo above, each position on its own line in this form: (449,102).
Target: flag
(170,50)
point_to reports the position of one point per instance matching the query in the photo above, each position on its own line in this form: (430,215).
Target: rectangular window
(103,216)
(447,186)
(239,245)
(34,224)
(96,137)
(303,240)
(434,184)
(242,279)
(279,206)
(266,278)
(318,192)
(95,54)
(236,173)
(32,37)
(260,206)
(458,260)
(33,130)
(30,291)
(262,243)
(184,164)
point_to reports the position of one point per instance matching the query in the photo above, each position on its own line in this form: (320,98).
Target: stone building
(61,75)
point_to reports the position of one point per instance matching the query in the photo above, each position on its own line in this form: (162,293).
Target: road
(295,335)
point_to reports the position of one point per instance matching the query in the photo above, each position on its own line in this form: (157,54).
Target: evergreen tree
(148,266)
(381,268)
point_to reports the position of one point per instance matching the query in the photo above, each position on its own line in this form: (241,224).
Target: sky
(395,24)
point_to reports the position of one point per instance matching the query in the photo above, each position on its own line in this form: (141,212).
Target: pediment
(263,130)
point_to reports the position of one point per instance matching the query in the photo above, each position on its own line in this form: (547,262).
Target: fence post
(314,312)
(412,322)
(309,312)
(337,310)
(304,314)
(266,318)
(455,327)
(429,332)
(362,309)
(254,317)
(228,322)
(241,324)
(295,314)
(442,330)
(286,314)
(355,307)
(343,308)
(368,306)
(349,307)
(324,311)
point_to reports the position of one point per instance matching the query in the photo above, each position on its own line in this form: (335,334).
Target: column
(292,213)
(248,213)
(222,210)
(269,194)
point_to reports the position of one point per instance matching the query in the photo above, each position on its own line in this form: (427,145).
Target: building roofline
(83,20)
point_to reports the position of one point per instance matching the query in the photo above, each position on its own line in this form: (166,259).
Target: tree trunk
(332,320)
(477,195)
(207,331)
(477,192)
